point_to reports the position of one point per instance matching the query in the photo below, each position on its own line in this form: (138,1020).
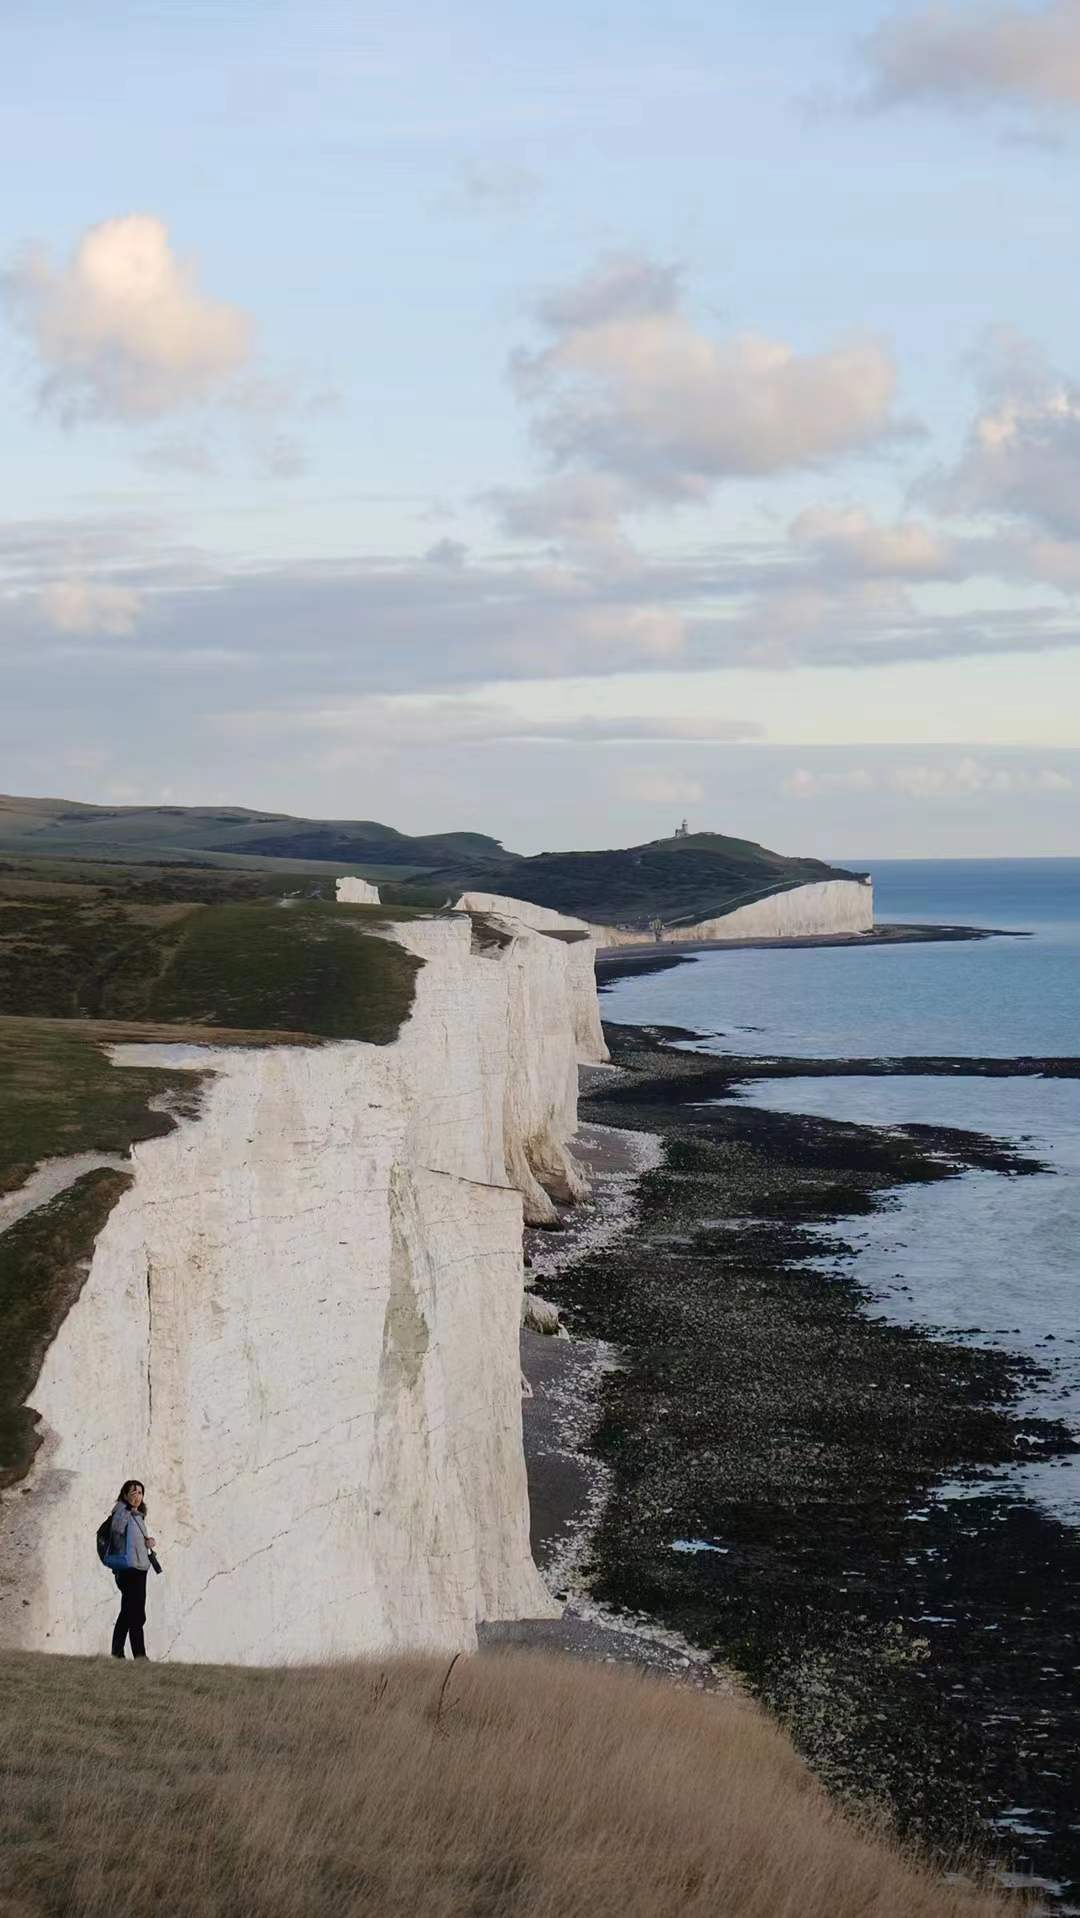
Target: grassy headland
(678,880)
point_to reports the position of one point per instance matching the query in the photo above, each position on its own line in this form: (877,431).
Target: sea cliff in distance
(672,888)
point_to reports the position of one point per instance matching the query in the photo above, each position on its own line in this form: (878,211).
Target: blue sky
(547,422)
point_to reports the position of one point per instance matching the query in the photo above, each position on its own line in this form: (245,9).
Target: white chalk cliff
(828,906)
(357,892)
(580,940)
(300,1328)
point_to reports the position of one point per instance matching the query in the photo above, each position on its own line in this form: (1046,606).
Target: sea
(984,1258)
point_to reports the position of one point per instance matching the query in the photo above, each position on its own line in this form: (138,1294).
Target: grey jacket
(127,1540)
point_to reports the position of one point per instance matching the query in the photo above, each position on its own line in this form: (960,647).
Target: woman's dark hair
(125,1488)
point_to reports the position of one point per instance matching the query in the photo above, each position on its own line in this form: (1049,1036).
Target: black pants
(132,1614)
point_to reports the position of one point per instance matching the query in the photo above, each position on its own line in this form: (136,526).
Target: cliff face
(829,906)
(580,940)
(300,1328)
(357,892)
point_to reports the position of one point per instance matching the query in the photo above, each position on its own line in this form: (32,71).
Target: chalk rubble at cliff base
(300,1325)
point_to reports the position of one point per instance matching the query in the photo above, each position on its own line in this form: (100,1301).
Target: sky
(548,420)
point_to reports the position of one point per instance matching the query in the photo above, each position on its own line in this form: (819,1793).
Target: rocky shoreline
(569,1485)
(770,1451)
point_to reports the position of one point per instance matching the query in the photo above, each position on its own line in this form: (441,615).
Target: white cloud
(622,286)
(630,388)
(645,632)
(341,627)
(1023,452)
(958,778)
(85,607)
(850,541)
(972,55)
(578,511)
(660,789)
(1052,561)
(846,622)
(123,331)
(971,777)
(413,720)
(448,552)
(802,784)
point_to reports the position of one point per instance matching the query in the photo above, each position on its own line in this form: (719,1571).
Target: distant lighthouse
(683,831)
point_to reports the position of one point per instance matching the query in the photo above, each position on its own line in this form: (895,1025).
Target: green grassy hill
(50,828)
(678,880)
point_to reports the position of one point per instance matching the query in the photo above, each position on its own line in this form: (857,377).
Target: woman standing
(129,1561)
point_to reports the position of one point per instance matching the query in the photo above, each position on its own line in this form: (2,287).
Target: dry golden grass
(542,1788)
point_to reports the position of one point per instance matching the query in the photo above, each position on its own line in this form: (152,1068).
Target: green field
(177,945)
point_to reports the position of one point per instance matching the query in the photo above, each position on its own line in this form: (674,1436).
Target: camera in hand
(154,1561)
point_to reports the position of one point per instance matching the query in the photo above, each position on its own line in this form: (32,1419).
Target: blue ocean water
(984,1257)
(995,996)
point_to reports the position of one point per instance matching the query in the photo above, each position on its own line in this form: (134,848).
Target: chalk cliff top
(183,946)
(90,954)
(94,965)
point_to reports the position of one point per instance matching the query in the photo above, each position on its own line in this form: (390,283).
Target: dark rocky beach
(769,1449)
